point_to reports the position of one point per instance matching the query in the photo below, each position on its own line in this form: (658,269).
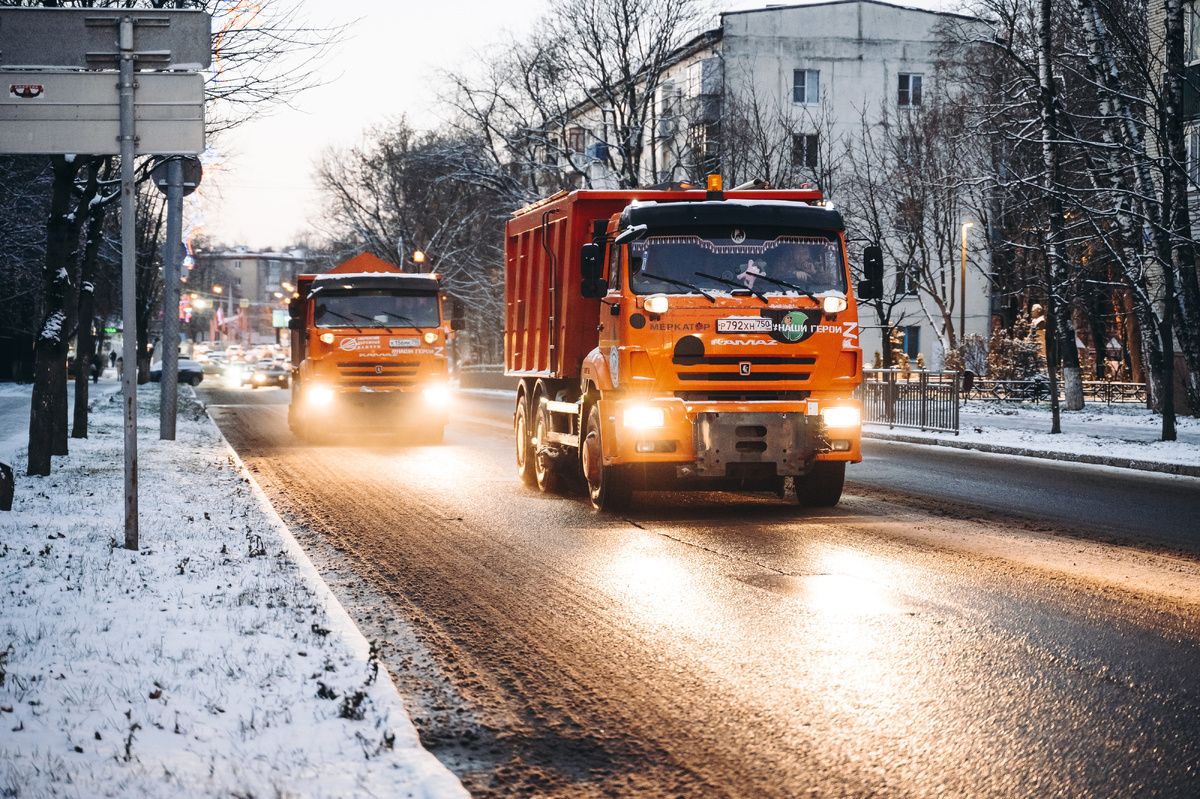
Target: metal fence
(1038,390)
(924,400)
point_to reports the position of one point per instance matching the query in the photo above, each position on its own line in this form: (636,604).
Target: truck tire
(548,481)
(822,487)
(525,453)
(609,487)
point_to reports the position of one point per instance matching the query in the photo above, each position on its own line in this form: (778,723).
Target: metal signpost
(175,177)
(89,38)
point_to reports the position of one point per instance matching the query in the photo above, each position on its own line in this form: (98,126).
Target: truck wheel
(608,486)
(822,487)
(525,454)
(548,481)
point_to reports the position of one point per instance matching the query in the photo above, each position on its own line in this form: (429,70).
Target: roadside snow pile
(213,662)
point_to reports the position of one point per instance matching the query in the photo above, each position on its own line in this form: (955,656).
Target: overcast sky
(262,194)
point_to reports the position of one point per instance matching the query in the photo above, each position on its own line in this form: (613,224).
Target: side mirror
(591,261)
(871,287)
(295,324)
(458,323)
(593,289)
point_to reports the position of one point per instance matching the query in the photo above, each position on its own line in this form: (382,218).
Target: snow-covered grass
(212,662)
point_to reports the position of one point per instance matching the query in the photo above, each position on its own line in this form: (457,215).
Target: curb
(434,779)
(1181,469)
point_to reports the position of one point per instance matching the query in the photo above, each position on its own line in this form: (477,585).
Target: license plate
(404,342)
(744,324)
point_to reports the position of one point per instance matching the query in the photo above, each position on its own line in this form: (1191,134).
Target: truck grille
(735,377)
(742,396)
(734,360)
(375,372)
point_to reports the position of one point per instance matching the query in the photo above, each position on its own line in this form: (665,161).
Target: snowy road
(724,645)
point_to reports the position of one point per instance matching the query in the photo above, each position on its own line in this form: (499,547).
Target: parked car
(190,372)
(270,373)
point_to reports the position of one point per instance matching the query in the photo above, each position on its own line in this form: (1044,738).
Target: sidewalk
(1109,435)
(213,662)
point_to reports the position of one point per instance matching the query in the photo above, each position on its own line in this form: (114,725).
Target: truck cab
(368,353)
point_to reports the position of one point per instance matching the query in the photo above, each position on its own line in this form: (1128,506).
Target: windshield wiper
(785,284)
(408,319)
(735,283)
(387,327)
(674,282)
(343,316)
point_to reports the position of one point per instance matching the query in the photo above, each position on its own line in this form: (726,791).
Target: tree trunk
(86,354)
(48,409)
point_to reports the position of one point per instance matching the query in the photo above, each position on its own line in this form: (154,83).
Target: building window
(804,150)
(912,341)
(910,89)
(904,285)
(1191,33)
(575,139)
(1193,156)
(695,79)
(806,86)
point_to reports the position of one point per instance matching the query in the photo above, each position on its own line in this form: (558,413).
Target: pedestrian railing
(917,399)
(1037,389)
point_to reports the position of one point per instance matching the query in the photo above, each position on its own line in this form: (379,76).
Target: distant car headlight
(260,378)
(430,337)
(320,395)
(834,304)
(842,417)
(643,418)
(657,304)
(437,395)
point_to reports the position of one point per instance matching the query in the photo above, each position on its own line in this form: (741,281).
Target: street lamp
(962,310)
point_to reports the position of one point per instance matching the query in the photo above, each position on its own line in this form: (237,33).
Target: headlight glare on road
(834,304)
(437,395)
(320,395)
(644,418)
(842,417)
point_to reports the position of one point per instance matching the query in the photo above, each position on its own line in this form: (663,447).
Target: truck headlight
(657,304)
(430,337)
(643,418)
(437,395)
(320,395)
(327,338)
(833,304)
(842,417)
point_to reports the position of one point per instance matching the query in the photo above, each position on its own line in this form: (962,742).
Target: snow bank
(213,662)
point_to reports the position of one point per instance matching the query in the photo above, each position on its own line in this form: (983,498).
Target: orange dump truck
(684,339)
(368,352)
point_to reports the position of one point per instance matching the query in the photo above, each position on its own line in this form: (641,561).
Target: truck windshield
(375,308)
(796,263)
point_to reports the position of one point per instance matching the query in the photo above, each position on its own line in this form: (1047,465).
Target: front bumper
(720,440)
(376,410)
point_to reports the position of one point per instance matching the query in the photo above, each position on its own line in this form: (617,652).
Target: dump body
(368,351)
(718,341)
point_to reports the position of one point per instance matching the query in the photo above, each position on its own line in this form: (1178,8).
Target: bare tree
(401,190)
